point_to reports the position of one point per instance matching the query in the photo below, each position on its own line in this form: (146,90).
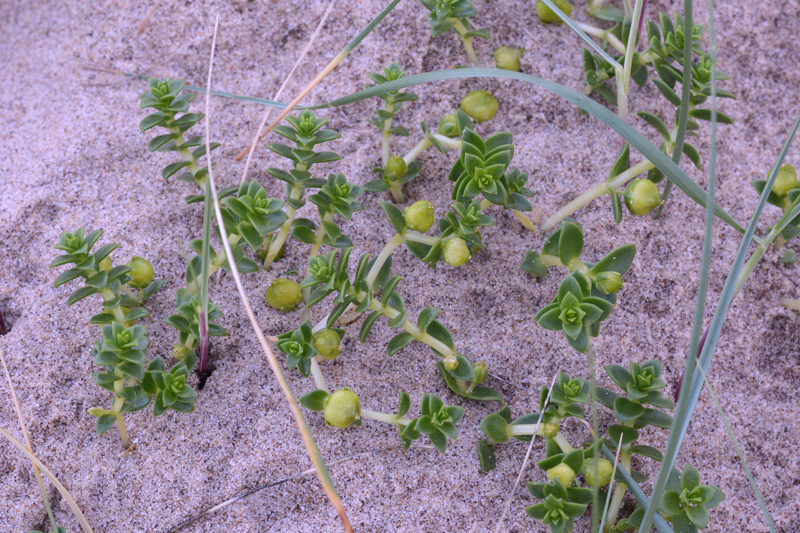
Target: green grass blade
(759,497)
(574,27)
(702,290)
(206,264)
(690,390)
(692,382)
(636,139)
(686,92)
(355,41)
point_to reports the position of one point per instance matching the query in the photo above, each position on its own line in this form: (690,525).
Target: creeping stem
(600,33)
(386,137)
(276,244)
(421,336)
(596,192)
(425,143)
(116,408)
(385,417)
(462,31)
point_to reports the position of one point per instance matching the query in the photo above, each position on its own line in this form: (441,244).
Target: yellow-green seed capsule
(141,272)
(419,216)
(180,352)
(327,343)
(105,265)
(548,15)
(283,294)
(550,430)
(786,180)
(455,252)
(448,126)
(609,282)
(480,105)
(507,58)
(642,196)
(563,473)
(395,168)
(450,363)
(481,371)
(342,408)
(604,470)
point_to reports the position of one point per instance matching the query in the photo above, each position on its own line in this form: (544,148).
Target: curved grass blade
(49,475)
(305,431)
(690,390)
(636,139)
(686,93)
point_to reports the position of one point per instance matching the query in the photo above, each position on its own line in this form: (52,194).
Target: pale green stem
(627,4)
(518,430)
(602,34)
(276,244)
(397,192)
(320,236)
(116,410)
(385,138)
(596,192)
(414,153)
(563,444)
(127,290)
(189,341)
(186,155)
(425,143)
(393,243)
(385,417)
(790,303)
(349,315)
(461,30)
(46,500)
(416,236)
(619,492)
(316,373)
(421,336)
(107,295)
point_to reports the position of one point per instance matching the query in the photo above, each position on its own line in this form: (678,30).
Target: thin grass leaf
(204,274)
(686,93)
(702,288)
(49,475)
(21,419)
(580,33)
(305,432)
(690,391)
(499,525)
(611,484)
(759,497)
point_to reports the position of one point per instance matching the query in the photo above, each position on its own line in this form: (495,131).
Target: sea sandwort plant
(258,228)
